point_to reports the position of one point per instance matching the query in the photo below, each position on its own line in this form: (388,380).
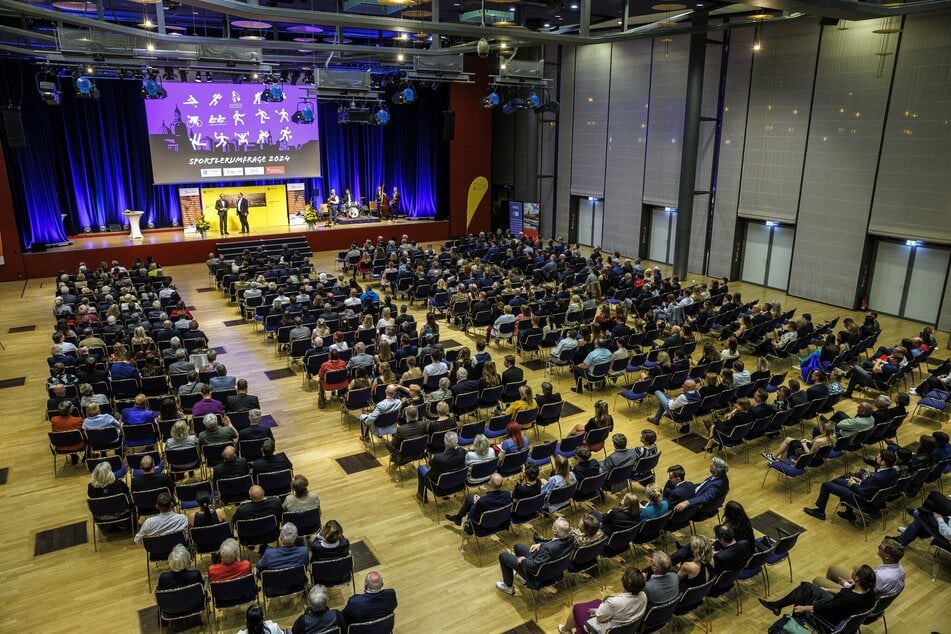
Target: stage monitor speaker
(38,247)
(13,127)
(115,227)
(448,125)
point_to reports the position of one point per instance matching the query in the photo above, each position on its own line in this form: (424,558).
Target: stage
(174,246)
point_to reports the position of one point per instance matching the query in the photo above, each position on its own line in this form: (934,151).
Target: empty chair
(333,573)
(233,593)
(182,603)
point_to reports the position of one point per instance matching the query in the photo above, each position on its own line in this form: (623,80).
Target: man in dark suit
(547,396)
(586,465)
(259,506)
(677,489)
(527,560)
(846,486)
(254,431)
(242,401)
(452,459)
(731,554)
(151,480)
(463,384)
(231,466)
(475,505)
(412,428)
(242,209)
(675,340)
(375,602)
(716,486)
(221,206)
(270,461)
(511,374)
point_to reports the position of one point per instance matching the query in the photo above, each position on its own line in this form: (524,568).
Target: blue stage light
(534,101)
(273,94)
(491,100)
(304,114)
(84,85)
(381,116)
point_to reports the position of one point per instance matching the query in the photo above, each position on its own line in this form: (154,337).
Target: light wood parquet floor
(439,587)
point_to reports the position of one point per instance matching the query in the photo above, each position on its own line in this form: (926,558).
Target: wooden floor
(439,587)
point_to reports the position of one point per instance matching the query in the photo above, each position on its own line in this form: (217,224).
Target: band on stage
(385,207)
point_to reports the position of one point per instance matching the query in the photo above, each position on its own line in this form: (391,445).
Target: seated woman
(490,375)
(821,359)
(514,440)
(180,575)
(601,419)
(103,483)
(622,517)
(230,566)
(586,533)
(480,452)
(809,598)
(205,515)
(301,499)
(256,624)
(412,371)
(699,568)
(330,543)
(181,437)
(627,608)
(655,505)
(739,415)
(561,476)
(734,516)
(526,401)
(528,484)
(792,448)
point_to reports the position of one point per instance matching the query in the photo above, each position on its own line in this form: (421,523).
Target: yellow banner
(267,205)
(477,189)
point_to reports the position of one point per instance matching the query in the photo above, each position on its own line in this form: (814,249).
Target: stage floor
(85,242)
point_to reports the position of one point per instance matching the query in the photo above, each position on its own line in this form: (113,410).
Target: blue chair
(489,397)
(549,573)
(182,603)
(469,431)
(207,539)
(590,488)
(618,476)
(465,403)
(780,553)
(542,454)
(275,483)
(620,541)
(307,522)
(757,565)
(488,523)
(233,490)
(510,392)
(693,598)
(355,400)
(732,438)
(790,469)
(649,530)
(585,558)
(724,582)
(560,497)
(568,445)
(183,460)
(511,463)
(496,426)
(333,573)
(643,470)
(480,472)
(186,493)
(684,416)
(636,393)
(526,419)
(550,414)
(408,451)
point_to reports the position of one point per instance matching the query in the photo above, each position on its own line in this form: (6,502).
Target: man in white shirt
(568,342)
(165,523)
(389,404)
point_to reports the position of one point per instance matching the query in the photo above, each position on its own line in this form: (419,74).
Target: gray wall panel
(731,152)
(914,180)
(592,86)
(627,141)
(777,120)
(666,125)
(565,150)
(844,138)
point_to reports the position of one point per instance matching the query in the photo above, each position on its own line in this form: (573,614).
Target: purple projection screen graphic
(225,132)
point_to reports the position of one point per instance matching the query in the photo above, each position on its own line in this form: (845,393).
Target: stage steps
(273,247)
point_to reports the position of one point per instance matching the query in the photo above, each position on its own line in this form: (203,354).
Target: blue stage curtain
(89,159)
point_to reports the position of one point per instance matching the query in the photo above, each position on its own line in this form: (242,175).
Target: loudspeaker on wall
(13,126)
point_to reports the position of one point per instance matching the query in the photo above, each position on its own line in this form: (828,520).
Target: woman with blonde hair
(699,569)
(622,517)
(384,354)
(412,371)
(526,401)
(655,505)
(561,476)
(103,483)
(793,448)
(181,437)
(481,451)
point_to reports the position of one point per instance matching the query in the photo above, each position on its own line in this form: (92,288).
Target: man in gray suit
(529,559)
(662,586)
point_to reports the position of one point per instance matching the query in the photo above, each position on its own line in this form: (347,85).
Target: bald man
(139,413)
(374,603)
(231,466)
(673,405)
(150,479)
(259,506)
(475,505)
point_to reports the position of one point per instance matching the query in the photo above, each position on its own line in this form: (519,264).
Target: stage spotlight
(381,115)
(512,105)
(404,96)
(273,94)
(533,100)
(86,88)
(304,114)
(151,89)
(491,100)
(49,93)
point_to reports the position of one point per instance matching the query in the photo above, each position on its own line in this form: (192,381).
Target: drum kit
(353,210)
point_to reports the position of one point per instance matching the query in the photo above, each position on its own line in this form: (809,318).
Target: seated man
(95,420)
(254,430)
(852,487)
(269,460)
(412,428)
(568,343)
(889,576)
(222,381)
(287,555)
(586,466)
(932,520)
(665,403)
(846,427)
(475,505)
(207,405)
(878,375)
(809,598)
(387,405)
(662,586)
(677,489)
(598,356)
(317,617)
(375,602)
(165,523)
(715,487)
(150,479)
(452,459)
(214,433)
(67,421)
(527,560)
(259,506)
(139,413)
(242,401)
(231,465)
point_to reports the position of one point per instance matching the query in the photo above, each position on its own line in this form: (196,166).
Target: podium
(134,217)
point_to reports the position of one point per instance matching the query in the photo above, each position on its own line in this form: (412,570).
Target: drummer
(347,197)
